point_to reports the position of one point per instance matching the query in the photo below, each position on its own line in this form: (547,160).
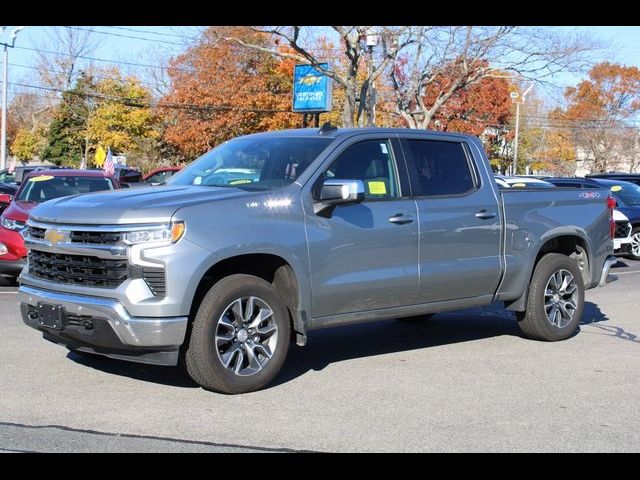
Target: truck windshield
(47,187)
(628,196)
(249,163)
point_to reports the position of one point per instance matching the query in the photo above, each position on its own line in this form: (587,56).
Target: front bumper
(104,326)
(12,267)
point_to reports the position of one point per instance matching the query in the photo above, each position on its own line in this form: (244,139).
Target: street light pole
(372,41)
(515,145)
(3,142)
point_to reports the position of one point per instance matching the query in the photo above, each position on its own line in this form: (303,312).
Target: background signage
(311,89)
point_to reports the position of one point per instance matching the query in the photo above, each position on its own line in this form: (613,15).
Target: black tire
(417,318)
(634,232)
(534,322)
(202,360)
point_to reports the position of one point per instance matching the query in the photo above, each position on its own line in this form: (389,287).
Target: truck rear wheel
(240,336)
(556,299)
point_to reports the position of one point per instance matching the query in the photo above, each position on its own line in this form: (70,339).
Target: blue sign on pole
(311,89)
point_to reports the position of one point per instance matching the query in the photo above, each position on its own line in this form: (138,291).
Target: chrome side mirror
(337,192)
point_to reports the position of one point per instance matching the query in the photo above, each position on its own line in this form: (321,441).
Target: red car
(161,174)
(38,187)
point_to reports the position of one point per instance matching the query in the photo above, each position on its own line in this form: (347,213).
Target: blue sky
(624,48)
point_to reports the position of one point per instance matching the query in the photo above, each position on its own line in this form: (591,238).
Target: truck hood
(135,205)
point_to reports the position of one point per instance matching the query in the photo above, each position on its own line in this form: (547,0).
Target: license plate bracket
(50,315)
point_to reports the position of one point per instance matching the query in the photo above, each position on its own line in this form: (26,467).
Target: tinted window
(442,168)
(160,176)
(371,162)
(47,187)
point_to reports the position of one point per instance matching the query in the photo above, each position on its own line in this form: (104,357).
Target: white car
(622,238)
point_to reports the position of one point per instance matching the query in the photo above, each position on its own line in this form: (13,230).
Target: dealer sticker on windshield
(41,178)
(616,188)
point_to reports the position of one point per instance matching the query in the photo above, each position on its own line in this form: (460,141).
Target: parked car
(38,187)
(127,176)
(521,182)
(625,177)
(160,175)
(627,196)
(622,242)
(329,227)
(20,172)
(8,189)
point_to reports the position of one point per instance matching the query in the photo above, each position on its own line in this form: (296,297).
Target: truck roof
(339,132)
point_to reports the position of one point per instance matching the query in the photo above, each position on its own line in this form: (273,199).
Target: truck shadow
(171,376)
(338,344)
(334,345)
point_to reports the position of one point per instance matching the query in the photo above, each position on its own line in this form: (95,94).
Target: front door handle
(401,219)
(484,215)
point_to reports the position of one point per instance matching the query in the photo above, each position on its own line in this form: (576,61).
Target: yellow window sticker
(238,182)
(377,188)
(519,185)
(616,188)
(41,178)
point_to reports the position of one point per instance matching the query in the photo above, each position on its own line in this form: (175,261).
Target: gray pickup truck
(269,236)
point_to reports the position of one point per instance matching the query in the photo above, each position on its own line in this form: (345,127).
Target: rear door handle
(484,215)
(401,219)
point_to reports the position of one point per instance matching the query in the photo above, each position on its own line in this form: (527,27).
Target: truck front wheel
(556,299)
(240,336)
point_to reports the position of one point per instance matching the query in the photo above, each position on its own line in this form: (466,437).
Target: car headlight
(160,234)
(14,225)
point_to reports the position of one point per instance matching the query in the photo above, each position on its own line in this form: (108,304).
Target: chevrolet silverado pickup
(315,228)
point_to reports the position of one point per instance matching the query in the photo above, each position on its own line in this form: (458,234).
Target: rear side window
(441,168)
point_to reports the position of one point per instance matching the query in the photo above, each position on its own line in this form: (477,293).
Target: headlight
(161,234)
(14,225)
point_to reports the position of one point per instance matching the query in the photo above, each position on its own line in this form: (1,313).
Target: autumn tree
(29,143)
(599,114)
(468,54)
(122,116)
(221,90)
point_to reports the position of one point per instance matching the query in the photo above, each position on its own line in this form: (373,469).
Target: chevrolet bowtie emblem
(53,236)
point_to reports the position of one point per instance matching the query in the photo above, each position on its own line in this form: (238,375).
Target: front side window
(253,163)
(442,168)
(370,161)
(47,187)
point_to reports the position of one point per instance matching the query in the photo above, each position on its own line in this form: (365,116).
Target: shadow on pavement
(593,316)
(172,376)
(333,345)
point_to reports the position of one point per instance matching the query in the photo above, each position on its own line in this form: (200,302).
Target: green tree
(67,140)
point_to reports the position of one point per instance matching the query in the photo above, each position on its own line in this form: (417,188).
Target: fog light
(3,249)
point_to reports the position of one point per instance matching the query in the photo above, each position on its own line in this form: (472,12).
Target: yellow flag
(100,156)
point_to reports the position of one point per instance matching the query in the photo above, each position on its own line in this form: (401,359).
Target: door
(460,230)
(364,256)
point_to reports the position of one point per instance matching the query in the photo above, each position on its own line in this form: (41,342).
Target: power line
(125,36)
(134,103)
(164,34)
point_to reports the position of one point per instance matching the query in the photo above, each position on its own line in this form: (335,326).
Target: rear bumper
(608,263)
(104,326)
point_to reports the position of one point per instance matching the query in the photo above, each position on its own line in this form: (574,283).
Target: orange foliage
(226,90)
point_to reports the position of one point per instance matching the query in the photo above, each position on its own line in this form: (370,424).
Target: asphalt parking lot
(464,381)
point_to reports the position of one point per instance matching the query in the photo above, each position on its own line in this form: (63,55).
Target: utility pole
(3,144)
(514,96)
(372,41)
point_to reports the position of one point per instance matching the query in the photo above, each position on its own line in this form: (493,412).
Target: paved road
(465,381)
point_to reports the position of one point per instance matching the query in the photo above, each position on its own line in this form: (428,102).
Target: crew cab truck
(337,226)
